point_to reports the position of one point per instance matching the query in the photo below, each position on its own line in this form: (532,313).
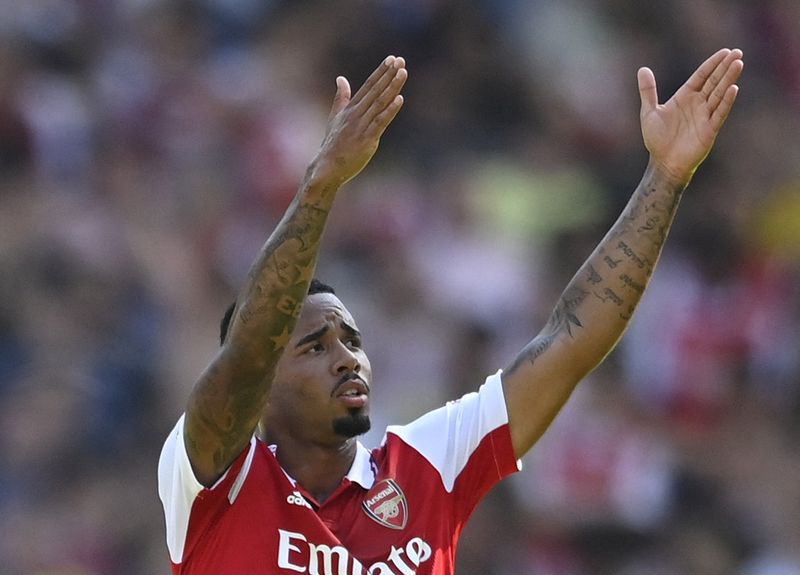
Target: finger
(383,119)
(388,96)
(726,104)
(385,89)
(342,97)
(719,72)
(376,75)
(647,90)
(730,76)
(698,79)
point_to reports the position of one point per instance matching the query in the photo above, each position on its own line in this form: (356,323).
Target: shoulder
(472,416)
(469,429)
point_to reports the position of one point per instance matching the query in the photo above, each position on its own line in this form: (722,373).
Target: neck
(318,468)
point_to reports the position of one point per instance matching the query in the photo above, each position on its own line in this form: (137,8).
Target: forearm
(599,301)
(228,400)
(270,301)
(592,312)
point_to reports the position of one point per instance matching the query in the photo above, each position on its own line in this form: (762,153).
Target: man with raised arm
(263,474)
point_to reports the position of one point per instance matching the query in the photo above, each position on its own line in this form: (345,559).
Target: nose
(346,360)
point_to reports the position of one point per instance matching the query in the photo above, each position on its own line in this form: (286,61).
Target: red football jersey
(399,510)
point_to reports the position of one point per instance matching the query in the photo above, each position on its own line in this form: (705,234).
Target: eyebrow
(350,330)
(313,336)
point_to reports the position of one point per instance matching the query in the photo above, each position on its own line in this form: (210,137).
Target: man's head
(320,386)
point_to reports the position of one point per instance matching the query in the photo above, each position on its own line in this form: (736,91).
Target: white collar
(362,471)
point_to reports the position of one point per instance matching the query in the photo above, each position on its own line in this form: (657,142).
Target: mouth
(352,391)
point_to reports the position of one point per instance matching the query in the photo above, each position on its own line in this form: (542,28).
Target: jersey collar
(362,471)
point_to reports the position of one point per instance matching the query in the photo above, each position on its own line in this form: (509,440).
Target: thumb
(342,97)
(647,90)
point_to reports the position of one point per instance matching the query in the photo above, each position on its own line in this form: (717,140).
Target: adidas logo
(297,499)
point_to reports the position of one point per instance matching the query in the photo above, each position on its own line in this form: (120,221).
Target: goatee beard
(352,425)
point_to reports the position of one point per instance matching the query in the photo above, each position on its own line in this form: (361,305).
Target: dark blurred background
(147,148)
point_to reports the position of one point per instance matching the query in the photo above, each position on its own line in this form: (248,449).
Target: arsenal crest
(386,504)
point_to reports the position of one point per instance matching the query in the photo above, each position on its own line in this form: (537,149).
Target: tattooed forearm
(615,276)
(627,251)
(633,245)
(629,282)
(278,282)
(228,400)
(608,294)
(594,277)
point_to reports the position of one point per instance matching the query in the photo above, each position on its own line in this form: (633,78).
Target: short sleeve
(470,430)
(180,491)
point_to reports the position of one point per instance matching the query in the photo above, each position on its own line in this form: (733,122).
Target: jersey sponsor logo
(297,553)
(296,498)
(386,504)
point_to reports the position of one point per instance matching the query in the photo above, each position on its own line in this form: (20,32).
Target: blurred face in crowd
(320,391)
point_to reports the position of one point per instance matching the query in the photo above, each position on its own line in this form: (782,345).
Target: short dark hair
(314,287)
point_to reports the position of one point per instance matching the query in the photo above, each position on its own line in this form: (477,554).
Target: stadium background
(148,146)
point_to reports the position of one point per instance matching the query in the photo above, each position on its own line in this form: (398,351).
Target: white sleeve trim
(178,487)
(448,436)
(237,484)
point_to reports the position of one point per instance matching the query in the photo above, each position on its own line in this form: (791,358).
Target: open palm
(679,133)
(356,124)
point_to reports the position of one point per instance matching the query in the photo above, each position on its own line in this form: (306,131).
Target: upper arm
(223,411)
(535,393)
(184,499)
(543,375)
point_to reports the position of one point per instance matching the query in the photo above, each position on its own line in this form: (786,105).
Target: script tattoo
(594,277)
(615,276)
(631,283)
(609,295)
(633,256)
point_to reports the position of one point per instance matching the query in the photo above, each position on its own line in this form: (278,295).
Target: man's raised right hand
(356,124)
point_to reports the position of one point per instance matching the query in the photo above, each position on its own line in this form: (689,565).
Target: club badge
(386,504)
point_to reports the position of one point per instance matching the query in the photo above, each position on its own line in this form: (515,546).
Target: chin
(352,425)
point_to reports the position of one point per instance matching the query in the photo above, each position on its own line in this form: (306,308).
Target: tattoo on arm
(561,320)
(609,294)
(615,275)
(594,277)
(288,258)
(220,417)
(226,406)
(629,282)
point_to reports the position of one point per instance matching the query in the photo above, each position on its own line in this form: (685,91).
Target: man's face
(321,386)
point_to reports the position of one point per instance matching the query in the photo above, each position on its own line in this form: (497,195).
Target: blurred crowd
(147,148)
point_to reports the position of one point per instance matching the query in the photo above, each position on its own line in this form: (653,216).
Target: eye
(354,342)
(316,348)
